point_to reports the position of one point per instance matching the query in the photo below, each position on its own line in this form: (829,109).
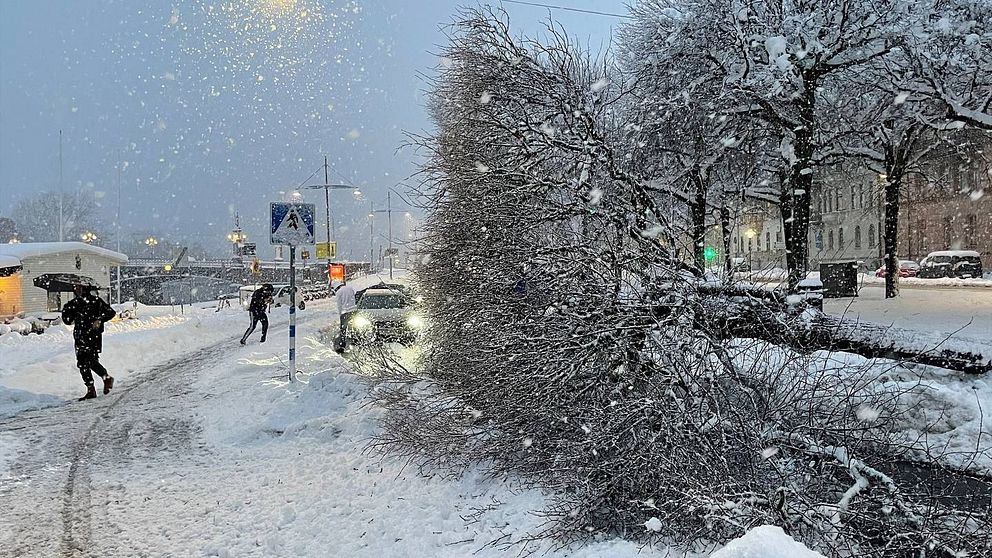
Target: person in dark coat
(87,313)
(260,301)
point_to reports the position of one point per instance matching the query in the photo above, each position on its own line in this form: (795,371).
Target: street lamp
(236,237)
(327,187)
(88,237)
(151,242)
(13,241)
(750,234)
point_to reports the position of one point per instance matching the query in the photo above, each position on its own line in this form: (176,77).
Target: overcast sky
(214,107)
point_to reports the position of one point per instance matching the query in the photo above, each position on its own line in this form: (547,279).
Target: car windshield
(970,259)
(382,301)
(940,259)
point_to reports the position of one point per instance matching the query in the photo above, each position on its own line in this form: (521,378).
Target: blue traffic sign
(292,223)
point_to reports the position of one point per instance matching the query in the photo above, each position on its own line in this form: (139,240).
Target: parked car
(386,314)
(951,263)
(907,268)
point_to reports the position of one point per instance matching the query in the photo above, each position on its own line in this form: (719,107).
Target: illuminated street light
(88,237)
(151,242)
(13,241)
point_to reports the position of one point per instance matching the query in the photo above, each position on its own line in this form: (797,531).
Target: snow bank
(10,447)
(284,471)
(766,541)
(40,370)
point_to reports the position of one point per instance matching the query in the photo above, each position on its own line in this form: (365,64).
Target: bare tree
(568,347)
(38,217)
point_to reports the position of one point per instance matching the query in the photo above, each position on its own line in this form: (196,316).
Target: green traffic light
(709,253)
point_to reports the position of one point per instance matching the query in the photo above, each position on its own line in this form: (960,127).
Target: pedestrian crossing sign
(292,223)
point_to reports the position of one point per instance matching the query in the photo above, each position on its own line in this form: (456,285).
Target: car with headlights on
(385,314)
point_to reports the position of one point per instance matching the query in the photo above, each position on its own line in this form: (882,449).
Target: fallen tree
(568,348)
(752,312)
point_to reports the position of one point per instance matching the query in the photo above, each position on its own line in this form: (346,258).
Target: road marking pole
(292,312)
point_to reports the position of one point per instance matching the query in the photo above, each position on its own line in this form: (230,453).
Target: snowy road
(213,453)
(52,510)
(964,313)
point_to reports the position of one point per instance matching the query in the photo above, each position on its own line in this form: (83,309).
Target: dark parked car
(951,263)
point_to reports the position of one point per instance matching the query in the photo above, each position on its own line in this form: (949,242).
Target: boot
(108,384)
(90,393)
(263,339)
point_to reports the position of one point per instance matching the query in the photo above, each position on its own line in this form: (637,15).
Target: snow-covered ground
(205,449)
(963,313)
(952,406)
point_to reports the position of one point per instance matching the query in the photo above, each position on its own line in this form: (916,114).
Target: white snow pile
(40,370)
(766,541)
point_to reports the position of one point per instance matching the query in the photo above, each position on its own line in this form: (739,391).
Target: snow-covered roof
(9,261)
(959,253)
(35,249)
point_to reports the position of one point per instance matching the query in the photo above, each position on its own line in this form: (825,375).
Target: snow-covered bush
(570,347)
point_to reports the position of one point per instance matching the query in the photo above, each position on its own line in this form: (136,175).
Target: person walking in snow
(346,309)
(260,301)
(87,313)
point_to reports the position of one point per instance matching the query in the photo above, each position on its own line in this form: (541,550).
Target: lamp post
(89,237)
(750,234)
(236,237)
(371,236)
(327,187)
(151,242)
(389,240)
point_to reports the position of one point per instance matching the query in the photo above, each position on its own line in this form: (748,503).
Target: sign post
(292,225)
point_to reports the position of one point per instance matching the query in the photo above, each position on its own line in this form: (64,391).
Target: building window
(970,224)
(840,199)
(857,236)
(853,190)
(861,195)
(830,240)
(768,240)
(830,201)
(778,236)
(871,236)
(840,238)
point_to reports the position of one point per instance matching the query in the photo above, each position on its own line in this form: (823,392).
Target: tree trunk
(726,234)
(800,182)
(698,208)
(890,235)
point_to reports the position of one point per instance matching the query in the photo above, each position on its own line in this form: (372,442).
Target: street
(964,313)
(213,453)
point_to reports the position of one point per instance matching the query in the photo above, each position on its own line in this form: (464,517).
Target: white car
(387,314)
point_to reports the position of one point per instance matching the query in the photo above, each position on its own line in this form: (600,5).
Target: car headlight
(418,299)
(361,323)
(415,322)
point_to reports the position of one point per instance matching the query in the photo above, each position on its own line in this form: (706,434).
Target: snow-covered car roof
(959,253)
(9,261)
(36,249)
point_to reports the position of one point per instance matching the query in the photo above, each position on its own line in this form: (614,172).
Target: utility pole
(61,194)
(389,217)
(329,227)
(371,237)
(117,219)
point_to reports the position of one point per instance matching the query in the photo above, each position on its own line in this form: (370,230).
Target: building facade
(18,293)
(947,207)
(846,219)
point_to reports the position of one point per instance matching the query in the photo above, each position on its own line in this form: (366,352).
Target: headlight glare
(361,323)
(415,322)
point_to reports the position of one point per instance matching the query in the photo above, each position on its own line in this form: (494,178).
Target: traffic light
(709,253)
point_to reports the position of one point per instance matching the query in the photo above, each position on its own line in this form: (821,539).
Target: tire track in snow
(77,507)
